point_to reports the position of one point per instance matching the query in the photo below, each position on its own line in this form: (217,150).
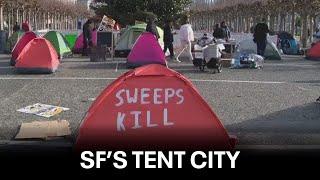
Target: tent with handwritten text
(152,107)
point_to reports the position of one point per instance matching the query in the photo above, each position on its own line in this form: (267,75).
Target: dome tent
(314,52)
(146,51)
(120,119)
(23,41)
(38,57)
(59,43)
(128,39)
(271,53)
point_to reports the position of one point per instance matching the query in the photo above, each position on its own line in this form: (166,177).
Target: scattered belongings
(89,100)
(43,110)
(44,130)
(243,60)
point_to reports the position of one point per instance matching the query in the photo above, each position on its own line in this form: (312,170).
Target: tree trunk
(9,22)
(311,28)
(1,17)
(304,35)
(293,23)
(17,16)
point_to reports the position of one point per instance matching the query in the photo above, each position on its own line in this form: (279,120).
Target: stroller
(208,55)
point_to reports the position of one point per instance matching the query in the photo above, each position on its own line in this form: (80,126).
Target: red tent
(314,52)
(24,40)
(151,107)
(146,50)
(39,56)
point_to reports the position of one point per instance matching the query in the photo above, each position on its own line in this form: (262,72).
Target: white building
(69,1)
(86,2)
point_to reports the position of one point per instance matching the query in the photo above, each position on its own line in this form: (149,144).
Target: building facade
(85,2)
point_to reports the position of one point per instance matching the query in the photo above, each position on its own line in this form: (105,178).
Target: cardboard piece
(44,130)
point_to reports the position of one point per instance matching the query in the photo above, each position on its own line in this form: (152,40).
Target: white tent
(271,53)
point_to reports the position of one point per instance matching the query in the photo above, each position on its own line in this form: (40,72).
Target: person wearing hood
(152,27)
(186,37)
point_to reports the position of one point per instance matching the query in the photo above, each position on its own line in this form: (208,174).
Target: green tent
(71,39)
(12,40)
(129,37)
(59,43)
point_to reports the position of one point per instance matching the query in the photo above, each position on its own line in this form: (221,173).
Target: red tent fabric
(151,107)
(39,56)
(24,40)
(314,52)
(146,50)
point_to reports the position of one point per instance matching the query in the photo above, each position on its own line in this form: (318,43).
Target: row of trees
(295,16)
(126,12)
(41,14)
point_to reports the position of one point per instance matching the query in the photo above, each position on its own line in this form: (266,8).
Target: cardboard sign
(151,106)
(107,24)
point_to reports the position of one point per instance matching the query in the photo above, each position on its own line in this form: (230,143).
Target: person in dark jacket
(87,37)
(218,32)
(168,38)
(16,27)
(152,27)
(225,31)
(260,37)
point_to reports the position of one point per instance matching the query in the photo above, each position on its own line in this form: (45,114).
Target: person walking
(152,27)
(168,38)
(260,37)
(186,37)
(87,37)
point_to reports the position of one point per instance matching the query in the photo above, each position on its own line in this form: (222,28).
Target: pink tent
(79,43)
(146,50)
